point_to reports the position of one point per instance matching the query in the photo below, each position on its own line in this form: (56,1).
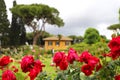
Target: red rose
(114,54)
(63,64)
(117,77)
(87,69)
(114,44)
(93,61)
(33,73)
(27,63)
(14,69)
(58,57)
(72,56)
(8,75)
(38,65)
(5,60)
(98,67)
(85,56)
(104,55)
(37,68)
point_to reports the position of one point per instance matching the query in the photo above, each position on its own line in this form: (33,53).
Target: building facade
(57,43)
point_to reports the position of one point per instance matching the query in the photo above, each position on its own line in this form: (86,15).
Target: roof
(57,38)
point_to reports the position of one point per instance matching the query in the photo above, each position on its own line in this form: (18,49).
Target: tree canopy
(34,13)
(91,36)
(4,24)
(114,27)
(17,30)
(38,11)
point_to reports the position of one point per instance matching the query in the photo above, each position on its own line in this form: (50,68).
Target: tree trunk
(35,38)
(38,33)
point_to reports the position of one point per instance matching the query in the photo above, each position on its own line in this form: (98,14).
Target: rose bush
(28,64)
(93,67)
(70,66)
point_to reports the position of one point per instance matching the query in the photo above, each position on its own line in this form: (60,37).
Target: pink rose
(72,56)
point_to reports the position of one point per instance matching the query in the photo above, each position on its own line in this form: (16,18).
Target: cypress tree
(4,24)
(17,30)
(22,32)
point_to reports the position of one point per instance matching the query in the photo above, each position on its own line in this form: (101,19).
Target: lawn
(50,70)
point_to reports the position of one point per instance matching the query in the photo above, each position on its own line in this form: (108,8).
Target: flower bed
(71,66)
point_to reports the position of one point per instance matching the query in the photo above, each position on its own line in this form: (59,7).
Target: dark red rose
(33,73)
(58,57)
(117,77)
(114,44)
(98,67)
(27,63)
(114,55)
(8,75)
(37,68)
(15,69)
(87,69)
(63,64)
(72,55)
(104,55)
(93,61)
(38,65)
(5,60)
(85,56)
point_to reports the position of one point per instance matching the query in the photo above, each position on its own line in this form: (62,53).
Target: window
(67,43)
(57,43)
(49,43)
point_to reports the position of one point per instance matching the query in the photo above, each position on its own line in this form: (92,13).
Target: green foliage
(114,27)
(91,36)
(17,30)
(4,24)
(108,71)
(72,73)
(29,36)
(95,49)
(38,12)
(43,76)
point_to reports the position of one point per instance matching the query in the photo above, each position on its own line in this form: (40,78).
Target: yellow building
(57,43)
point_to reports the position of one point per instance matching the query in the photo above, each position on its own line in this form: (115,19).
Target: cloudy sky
(79,15)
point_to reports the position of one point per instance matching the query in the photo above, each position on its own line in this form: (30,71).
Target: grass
(51,70)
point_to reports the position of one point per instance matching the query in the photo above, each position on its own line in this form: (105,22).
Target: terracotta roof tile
(56,38)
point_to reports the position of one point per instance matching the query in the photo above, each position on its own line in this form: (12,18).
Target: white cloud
(103,31)
(80,14)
